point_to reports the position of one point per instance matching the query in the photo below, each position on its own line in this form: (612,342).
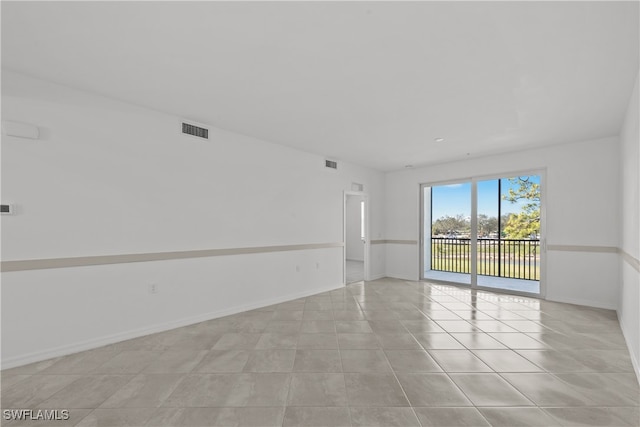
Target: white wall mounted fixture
(20,130)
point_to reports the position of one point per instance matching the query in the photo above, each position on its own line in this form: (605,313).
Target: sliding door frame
(422,214)
(542,173)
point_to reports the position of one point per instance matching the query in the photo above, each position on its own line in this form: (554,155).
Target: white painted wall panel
(48,313)
(402,261)
(109,177)
(377,264)
(629,312)
(583,278)
(629,302)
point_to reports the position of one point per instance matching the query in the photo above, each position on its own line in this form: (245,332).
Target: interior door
(356,249)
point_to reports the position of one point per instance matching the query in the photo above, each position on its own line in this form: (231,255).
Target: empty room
(320,213)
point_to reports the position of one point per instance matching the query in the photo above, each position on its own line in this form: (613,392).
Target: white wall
(581,208)
(110,178)
(629,303)
(354,244)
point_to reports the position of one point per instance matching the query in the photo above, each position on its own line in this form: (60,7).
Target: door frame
(367,240)
(422,213)
(542,173)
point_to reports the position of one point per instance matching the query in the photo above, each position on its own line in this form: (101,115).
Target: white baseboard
(377,276)
(585,302)
(90,344)
(402,277)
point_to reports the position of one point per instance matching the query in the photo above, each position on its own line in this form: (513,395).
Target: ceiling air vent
(331,164)
(196,131)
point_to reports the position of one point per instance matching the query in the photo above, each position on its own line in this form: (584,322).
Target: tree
(487,225)
(450,225)
(526,223)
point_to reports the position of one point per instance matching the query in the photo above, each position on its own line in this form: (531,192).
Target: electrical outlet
(153,288)
(6,209)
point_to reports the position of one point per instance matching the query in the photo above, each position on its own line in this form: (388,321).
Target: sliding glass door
(484,232)
(450,231)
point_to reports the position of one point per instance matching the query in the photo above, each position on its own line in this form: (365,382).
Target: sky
(455,199)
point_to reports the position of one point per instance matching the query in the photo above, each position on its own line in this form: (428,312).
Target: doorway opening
(486,233)
(356,248)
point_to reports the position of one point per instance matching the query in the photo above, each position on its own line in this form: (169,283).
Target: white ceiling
(372,83)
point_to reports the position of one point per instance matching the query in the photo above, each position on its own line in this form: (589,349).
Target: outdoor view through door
(498,220)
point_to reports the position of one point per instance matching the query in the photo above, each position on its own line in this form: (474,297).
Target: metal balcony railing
(509,258)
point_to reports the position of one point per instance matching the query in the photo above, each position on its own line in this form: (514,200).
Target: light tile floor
(384,353)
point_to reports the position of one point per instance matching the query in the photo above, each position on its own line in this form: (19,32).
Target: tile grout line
(344,378)
(295,356)
(398,380)
(493,371)
(451,379)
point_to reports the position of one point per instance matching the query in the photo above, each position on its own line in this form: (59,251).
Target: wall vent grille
(331,164)
(196,131)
